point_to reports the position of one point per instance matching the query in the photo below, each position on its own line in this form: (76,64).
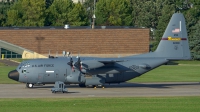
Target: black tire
(28,85)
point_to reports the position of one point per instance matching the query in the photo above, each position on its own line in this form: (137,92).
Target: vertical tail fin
(174,43)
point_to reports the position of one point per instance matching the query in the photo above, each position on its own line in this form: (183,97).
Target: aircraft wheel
(29,85)
(94,86)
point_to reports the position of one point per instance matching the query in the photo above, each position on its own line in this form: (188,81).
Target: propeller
(70,63)
(77,64)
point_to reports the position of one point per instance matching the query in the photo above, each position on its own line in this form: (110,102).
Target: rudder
(174,43)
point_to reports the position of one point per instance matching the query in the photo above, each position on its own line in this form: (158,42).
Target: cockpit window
(24,64)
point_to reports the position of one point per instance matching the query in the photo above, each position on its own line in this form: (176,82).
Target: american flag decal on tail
(176,30)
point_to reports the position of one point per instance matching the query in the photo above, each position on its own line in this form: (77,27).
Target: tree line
(154,14)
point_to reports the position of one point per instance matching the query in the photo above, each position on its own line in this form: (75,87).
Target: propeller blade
(70,63)
(77,64)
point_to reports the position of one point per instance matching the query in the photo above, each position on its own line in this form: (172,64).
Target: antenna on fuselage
(56,53)
(68,54)
(64,54)
(50,55)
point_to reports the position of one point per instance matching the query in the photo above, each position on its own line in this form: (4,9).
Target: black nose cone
(14,75)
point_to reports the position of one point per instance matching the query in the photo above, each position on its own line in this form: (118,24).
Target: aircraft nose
(14,75)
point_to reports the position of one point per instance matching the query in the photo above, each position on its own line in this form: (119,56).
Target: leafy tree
(78,16)
(34,13)
(101,13)
(13,18)
(146,13)
(48,3)
(4,6)
(195,43)
(89,7)
(167,11)
(114,12)
(58,12)
(26,13)
(192,15)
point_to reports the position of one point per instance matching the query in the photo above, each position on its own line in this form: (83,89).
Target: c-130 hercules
(71,70)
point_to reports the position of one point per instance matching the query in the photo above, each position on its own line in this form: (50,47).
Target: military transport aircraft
(72,70)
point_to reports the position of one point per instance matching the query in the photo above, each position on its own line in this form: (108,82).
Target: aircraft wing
(92,64)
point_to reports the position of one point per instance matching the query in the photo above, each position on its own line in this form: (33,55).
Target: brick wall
(83,41)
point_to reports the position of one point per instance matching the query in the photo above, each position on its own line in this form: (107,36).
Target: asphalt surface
(115,90)
(9,62)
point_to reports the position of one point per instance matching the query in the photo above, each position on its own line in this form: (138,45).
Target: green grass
(171,73)
(130,104)
(19,59)
(2,64)
(188,62)
(4,70)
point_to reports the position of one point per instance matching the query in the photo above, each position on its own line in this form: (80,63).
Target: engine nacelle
(75,78)
(95,81)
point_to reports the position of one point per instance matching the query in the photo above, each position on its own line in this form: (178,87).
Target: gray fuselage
(46,71)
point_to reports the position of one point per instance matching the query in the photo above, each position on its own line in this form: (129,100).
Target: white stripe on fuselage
(49,71)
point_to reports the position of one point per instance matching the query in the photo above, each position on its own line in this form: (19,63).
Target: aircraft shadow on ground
(52,86)
(172,63)
(131,85)
(66,92)
(156,85)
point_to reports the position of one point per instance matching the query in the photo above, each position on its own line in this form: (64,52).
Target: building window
(9,54)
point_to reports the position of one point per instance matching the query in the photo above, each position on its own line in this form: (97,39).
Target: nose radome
(14,75)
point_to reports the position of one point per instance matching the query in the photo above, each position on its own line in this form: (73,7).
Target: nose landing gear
(29,85)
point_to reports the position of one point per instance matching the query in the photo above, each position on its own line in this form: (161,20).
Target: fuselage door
(56,74)
(40,77)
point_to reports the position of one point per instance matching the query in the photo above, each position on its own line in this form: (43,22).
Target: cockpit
(24,64)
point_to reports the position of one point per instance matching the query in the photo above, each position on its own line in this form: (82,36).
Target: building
(108,42)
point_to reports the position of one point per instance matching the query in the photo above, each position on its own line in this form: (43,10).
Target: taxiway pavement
(113,90)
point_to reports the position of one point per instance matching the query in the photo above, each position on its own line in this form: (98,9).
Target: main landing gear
(95,86)
(91,86)
(29,85)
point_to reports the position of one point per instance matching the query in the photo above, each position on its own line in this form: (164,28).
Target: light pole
(93,17)
(93,21)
